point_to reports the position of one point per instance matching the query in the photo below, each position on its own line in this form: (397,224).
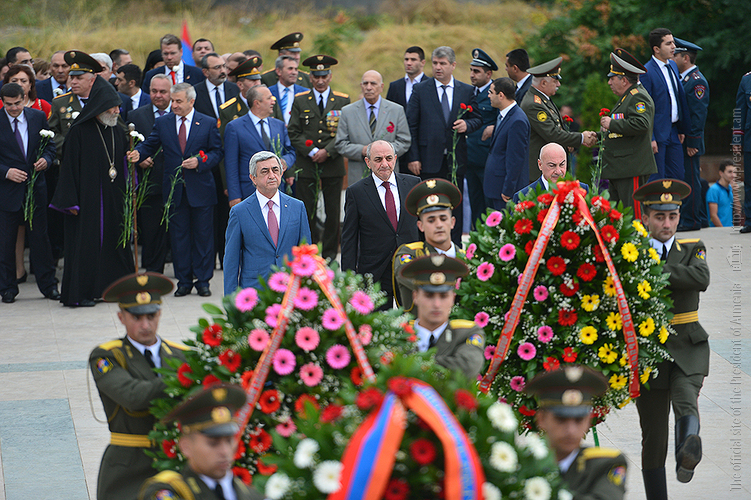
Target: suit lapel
(365,117)
(284,216)
(195,129)
(252,130)
(255,213)
(403,192)
(371,190)
(34,139)
(7,130)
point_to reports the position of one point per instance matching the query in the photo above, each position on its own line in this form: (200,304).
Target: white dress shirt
(179,71)
(188,121)
(211,88)
(376,108)
(673,98)
(382,192)
(228,488)
(451,252)
(423,335)
(154,348)
(264,203)
(449,91)
(23,129)
(256,123)
(565,464)
(411,83)
(136,99)
(657,245)
(521,82)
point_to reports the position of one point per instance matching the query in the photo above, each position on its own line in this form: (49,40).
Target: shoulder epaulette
(176,345)
(228,103)
(269,71)
(62,95)
(462,323)
(303,72)
(634,91)
(108,346)
(340,94)
(595,452)
(689,240)
(174,480)
(302,93)
(538,100)
(417,245)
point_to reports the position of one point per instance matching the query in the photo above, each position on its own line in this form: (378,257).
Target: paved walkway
(51,444)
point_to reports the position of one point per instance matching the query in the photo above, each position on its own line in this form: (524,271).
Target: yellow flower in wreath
(645,375)
(653,254)
(618,381)
(588,335)
(644,288)
(646,327)
(639,228)
(609,286)
(663,335)
(590,302)
(607,354)
(629,252)
(624,360)
(614,321)
(623,403)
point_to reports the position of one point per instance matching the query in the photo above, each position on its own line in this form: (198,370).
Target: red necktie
(182,136)
(390,205)
(174,77)
(273,223)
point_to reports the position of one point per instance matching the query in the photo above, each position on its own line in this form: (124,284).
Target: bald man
(369,119)
(552,165)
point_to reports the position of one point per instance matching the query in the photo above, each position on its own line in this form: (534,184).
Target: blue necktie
(283,103)
(218,99)
(18,137)
(445,104)
(675,87)
(265,136)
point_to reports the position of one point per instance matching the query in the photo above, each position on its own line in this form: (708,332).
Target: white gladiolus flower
(503,457)
(490,492)
(534,444)
(502,417)
(537,488)
(326,476)
(305,453)
(277,486)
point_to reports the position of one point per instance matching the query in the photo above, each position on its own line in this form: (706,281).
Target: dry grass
(367,42)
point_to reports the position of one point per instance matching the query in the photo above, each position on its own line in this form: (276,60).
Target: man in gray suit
(367,120)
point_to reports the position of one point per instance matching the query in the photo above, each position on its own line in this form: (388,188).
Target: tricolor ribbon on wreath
(562,191)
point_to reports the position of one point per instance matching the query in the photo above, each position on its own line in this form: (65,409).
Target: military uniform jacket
(404,254)
(232,109)
(477,149)
(461,347)
(597,474)
(270,78)
(307,124)
(689,275)
(546,125)
(188,486)
(697,96)
(65,109)
(628,143)
(126,385)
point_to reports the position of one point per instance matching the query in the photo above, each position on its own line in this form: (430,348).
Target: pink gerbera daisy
(278,282)
(366,334)
(284,362)
(271,314)
(508,252)
(494,219)
(286,429)
(307,338)
(489,351)
(485,271)
(526,351)
(337,357)
(246,299)
(545,334)
(306,299)
(311,374)
(331,319)
(258,339)
(304,266)
(471,249)
(517,383)
(482,319)
(361,302)
(540,293)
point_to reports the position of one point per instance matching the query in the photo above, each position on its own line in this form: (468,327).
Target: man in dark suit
(254,132)
(57,84)
(433,116)
(247,76)
(288,45)
(517,64)
(312,130)
(263,228)
(285,89)
(128,83)
(672,120)
(506,167)
(694,210)
(375,221)
(20,142)
(400,90)
(552,164)
(151,233)
(174,67)
(478,142)
(678,382)
(183,135)
(215,90)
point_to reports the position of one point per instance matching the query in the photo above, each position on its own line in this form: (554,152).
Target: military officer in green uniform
(564,414)
(123,370)
(208,443)
(288,45)
(459,344)
(312,130)
(628,160)
(546,123)
(431,201)
(679,381)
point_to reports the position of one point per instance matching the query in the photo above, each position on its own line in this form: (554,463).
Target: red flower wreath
(570,240)
(551,364)
(569,356)
(567,317)
(269,401)
(523,226)
(230,359)
(587,272)
(422,451)
(212,335)
(556,265)
(609,234)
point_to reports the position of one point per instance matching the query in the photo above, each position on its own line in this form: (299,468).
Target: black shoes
(745,229)
(9,297)
(203,291)
(182,291)
(52,294)
(23,278)
(687,447)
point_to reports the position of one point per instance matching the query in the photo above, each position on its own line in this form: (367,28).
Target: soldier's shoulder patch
(538,100)
(695,75)
(417,245)
(617,475)
(476,340)
(103,365)
(164,495)
(701,254)
(228,103)
(340,94)
(405,258)
(542,116)
(176,345)
(597,452)
(700,91)
(462,323)
(303,93)
(112,344)
(641,107)
(634,91)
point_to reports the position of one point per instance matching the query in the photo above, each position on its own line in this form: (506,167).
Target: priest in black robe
(90,192)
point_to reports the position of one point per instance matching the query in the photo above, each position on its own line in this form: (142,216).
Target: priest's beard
(108,119)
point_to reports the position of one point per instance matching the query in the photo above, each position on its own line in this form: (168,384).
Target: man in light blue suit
(243,138)
(263,228)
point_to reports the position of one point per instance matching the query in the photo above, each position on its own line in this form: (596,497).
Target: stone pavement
(51,443)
